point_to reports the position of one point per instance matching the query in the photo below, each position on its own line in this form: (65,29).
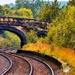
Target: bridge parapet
(24,22)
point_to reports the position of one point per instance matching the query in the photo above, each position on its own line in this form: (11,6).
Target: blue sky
(13,1)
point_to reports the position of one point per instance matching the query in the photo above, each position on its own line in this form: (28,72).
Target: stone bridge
(34,24)
(12,24)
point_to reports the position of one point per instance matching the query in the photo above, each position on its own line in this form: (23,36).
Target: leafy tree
(49,11)
(62,29)
(31,37)
(34,5)
(71,2)
(22,3)
(1,11)
(6,10)
(4,42)
(26,13)
(13,13)
(44,13)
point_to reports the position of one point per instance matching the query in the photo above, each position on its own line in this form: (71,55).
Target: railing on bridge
(37,25)
(23,22)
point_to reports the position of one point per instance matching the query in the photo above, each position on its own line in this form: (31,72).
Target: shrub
(62,29)
(31,37)
(4,42)
(14,39)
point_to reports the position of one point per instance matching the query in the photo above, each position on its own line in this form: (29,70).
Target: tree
(62,29)
(71,2)
(1,11)
(26,13)
(49,11)
(34,5)
(13,13)
(31,37)
(6,10)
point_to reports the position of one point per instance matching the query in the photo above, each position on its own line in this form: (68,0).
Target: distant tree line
(32,9)
(22,8)
(41,9)
(5,10)
(61,31)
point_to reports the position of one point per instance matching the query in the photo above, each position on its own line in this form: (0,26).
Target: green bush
(62,29)
(14,39)
(4,42)
(49,11)
(31,37)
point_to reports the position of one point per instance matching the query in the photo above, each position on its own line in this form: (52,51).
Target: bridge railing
(24,22)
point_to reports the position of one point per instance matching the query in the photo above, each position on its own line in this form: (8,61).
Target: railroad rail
(43,68)
(7,63)
(31,63)
(52,62)
(48,68)
(20,66)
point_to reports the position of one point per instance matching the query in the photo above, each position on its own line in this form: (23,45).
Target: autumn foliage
(65,54)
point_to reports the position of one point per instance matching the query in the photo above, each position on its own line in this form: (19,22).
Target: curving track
(20,66)
(51,62)
(28,63)
(5,64)
(39,67)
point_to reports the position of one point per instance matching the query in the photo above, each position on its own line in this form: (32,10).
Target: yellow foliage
(26,13)
(65,54)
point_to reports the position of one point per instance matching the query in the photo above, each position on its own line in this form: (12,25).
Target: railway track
(20,66)
(39,66)
(5,64)
(27,63)
(51,62)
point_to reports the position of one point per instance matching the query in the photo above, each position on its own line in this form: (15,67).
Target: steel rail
(31,68)
(10,64)
(50,68)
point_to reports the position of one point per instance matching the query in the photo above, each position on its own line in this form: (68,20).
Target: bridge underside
(17,32)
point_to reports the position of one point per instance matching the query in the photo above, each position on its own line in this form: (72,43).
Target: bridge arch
(19,33)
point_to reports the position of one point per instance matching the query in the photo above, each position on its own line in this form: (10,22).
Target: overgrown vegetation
(9,39)
(22,8)
(66,55)
(62,29)
(31,37)
(49,11)
(4,42)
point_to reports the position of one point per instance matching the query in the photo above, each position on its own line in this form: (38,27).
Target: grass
(66,55)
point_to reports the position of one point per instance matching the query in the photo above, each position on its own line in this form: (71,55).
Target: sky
(13,1)
(6,1)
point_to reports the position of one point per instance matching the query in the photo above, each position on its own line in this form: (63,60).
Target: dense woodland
(60,32)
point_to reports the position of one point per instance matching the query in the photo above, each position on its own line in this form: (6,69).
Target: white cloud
(6,1)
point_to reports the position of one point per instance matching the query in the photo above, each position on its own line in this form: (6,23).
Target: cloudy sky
(6,1)
(13,1)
